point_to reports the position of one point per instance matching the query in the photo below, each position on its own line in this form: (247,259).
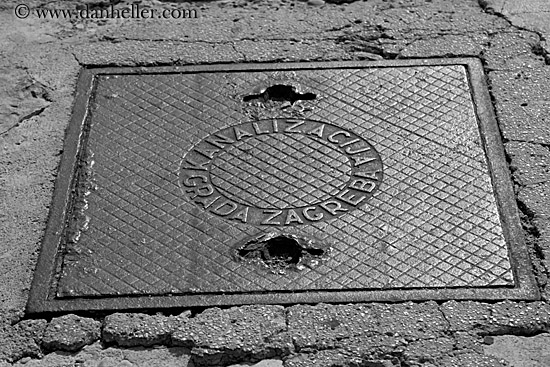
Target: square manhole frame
(42,294)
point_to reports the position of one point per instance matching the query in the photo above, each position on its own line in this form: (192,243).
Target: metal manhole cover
(281,183)
(281,172)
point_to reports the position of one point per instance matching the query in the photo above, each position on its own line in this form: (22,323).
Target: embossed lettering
(292,216)
(351,199)
(229,206)
(368,174)
(339,132)
(197,191)
(194,165)
(314,218)
(258,130)
(337,207)
(187,182)
(271,215)
(359,184)
(358,150)
(294,126)
(207,202)
(209,190)
(219,140)
(349,142)
(194,178)
(317,131)
(241,215)
(362,160)
(240,133)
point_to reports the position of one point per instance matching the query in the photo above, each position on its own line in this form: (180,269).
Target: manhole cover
(281,183)
(281,172)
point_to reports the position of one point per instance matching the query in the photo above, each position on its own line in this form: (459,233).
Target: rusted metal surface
(394,169)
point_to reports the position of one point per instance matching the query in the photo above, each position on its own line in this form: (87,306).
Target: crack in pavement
(484,4)
(382,331)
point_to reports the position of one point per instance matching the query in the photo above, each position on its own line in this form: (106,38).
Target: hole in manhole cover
(280,252)
(280,92)
(379,181)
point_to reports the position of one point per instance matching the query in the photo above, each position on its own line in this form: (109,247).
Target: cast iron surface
(396,167)
(281,172)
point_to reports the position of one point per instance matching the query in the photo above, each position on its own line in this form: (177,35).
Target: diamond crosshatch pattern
(434,223)
(265,172)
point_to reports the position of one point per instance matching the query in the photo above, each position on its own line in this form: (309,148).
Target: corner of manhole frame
(42,297)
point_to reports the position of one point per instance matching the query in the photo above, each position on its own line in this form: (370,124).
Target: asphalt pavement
(39,63)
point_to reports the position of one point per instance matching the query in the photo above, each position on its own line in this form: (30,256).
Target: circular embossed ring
(281,172)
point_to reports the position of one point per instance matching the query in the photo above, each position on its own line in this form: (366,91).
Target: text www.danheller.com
(133,11)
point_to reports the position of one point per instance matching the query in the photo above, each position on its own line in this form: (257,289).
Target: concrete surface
(521,351)
(406,334)
(70,333)
(96,356)
(39,62)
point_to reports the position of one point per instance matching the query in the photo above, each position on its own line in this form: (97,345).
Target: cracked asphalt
(39,64)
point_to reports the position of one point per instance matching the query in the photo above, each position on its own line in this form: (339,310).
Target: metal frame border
(42,300)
